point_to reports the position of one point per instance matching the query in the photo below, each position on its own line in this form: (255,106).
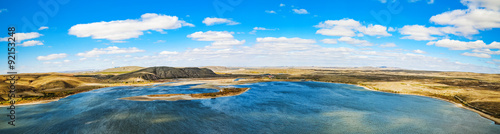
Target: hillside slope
(154,73)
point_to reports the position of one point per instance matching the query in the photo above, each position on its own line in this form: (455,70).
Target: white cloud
(23,36)
(255,29)
(374,30)
(468,21)
(419,51)
(67,61)
(31,43)
(388,45)
(329,41)
(109,50)
(282,45)
(283,51)
(221,39)
(486,51)
(214,21)
(228,43)
(349,27)
(126,29)
(488,4)
(56,62)
(52,56)
(285,40)
(383,1)
(168,52)
(419,32)
(160,41)
(20,37)
(211,36)
(300,11)
(461,45)
(391,29)
(119,41)
(282,5)
(428,1)
(479,48)
(353,41)
(3,10)
(480,55)
(271,11)
(43,28)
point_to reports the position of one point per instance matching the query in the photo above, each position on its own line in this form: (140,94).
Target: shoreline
(58,98)
(211,82)
(176,97)
(495,120)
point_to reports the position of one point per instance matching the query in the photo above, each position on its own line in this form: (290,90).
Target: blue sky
(63,35)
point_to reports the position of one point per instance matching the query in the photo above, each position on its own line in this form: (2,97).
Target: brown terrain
(478,92)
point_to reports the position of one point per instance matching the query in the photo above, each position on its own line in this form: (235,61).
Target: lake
(268,107)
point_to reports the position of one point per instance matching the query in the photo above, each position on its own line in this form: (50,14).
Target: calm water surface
(268,107)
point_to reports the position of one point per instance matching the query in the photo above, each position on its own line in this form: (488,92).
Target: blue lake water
(268,107)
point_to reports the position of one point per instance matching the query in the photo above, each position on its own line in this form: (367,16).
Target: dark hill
(154,73)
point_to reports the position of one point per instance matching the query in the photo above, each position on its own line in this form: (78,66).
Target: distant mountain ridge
(163,72)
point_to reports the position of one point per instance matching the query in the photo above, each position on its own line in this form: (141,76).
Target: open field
(480,92)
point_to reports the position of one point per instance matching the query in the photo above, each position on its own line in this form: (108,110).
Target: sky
(439,35)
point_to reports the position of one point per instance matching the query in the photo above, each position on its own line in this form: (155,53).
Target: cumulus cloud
(300,11)
(285,51)
(211,36)
(23,36)
(43,28)
(428,1)
(168,52)
(462,45)
(349,27)
(109,50)
(468,22)
(419,51)
(488,4)
(160,41)
(374,30)
(479,48)
(329,41)
(52,56)
(295,40)
(480,55)
(271,11)
(31,43)
(419,32)
(282,5)
(255,29)
(481,15)
(356,42)
(214,21)
(388,45)
(221,39)
(20,37)
(126,29)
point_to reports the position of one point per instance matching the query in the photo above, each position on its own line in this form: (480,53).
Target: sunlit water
(268,107)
